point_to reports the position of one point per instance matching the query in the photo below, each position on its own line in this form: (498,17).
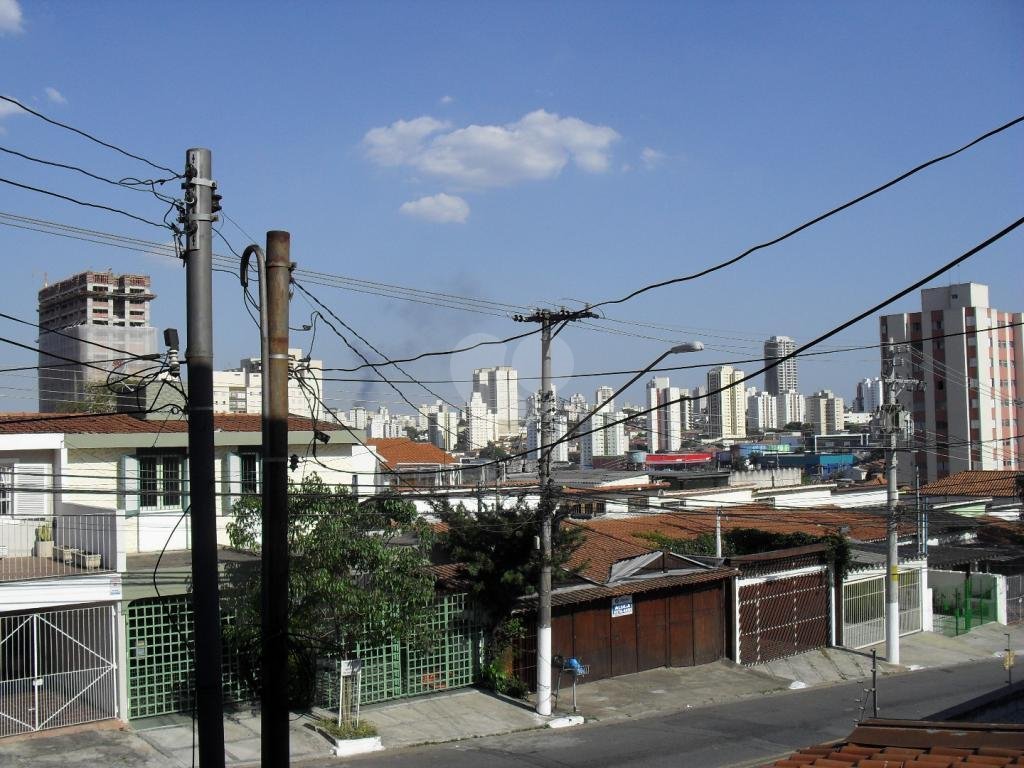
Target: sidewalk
(470,713)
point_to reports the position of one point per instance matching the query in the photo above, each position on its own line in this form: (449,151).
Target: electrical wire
(76,201)
(89,136)
(811,222)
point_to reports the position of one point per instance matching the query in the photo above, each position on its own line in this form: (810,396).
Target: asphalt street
(742,733)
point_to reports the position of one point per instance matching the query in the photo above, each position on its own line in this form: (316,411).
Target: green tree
(358,573)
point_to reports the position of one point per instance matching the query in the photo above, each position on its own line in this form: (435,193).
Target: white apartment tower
(791,408)
(970,411)
(869,395)
(499,389)
(762,412)
(240,390)
(727,412)
(825,412)
(479,423)
(783,376)
(560,425)
(664,423)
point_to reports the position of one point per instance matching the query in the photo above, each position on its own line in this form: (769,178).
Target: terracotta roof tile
(402,450)
(975,482)
(120,424)
(689,524)
(598,553)
(889,743)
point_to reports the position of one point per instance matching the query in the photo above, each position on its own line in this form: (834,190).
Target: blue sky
(533,153)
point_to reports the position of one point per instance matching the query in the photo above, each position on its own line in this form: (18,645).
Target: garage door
(780,617)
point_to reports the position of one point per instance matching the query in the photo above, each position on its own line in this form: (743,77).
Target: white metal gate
(57,668)
(864,609)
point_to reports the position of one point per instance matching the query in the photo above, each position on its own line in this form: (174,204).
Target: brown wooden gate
(781,616)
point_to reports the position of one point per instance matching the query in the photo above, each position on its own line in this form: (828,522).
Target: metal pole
(718,532)
(199,217)
(544,595)
(874,682)
(274,746)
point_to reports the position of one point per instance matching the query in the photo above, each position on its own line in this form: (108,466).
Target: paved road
(741,733)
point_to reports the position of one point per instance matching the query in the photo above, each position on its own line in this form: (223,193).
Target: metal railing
(59,545)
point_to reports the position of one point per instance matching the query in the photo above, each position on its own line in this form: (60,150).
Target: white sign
(115,586)
(622,606)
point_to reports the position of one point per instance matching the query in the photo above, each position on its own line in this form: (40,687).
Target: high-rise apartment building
(479,424)
(825,412)
(727,411)
(868,395)
(970,411)
(84,318)
(791,407)
(559,424)
(664,423)
(443,429)
(240,390)
(499,389)
(762,412)
(783,376)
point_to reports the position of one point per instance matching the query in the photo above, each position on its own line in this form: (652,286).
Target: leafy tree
(493,452)
(351,578)
(498,549)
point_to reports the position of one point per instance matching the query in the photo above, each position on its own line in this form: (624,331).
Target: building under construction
(92,326)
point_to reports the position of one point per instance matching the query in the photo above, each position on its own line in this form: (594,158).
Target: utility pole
(718,532)
(547,319)
(199,215)
(274,725)
(892,426)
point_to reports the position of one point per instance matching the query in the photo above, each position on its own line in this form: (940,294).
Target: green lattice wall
(399,669)
(160,658)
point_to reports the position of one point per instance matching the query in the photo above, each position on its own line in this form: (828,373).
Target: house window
(160,481)
(249,474)
(6,489)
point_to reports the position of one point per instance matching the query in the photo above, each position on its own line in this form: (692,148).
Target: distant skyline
(531,154)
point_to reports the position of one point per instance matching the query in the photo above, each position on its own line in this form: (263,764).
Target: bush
(498,679)
(347,730)
(44,533)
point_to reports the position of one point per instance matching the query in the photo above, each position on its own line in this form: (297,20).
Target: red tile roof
(598,553)
(689,524)
(916,743)
(401,450)
(120,424)
(976,482)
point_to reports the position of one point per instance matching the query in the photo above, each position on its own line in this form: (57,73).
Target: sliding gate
(57,668)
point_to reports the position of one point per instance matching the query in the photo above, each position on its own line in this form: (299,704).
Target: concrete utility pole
(274,725)
(892,426)
(547,319)
(198,218)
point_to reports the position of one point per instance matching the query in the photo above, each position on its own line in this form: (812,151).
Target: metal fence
(1014,599)
(957,610)
(57,668)
(161,658)
(864,609)
(399,669)
(37,547)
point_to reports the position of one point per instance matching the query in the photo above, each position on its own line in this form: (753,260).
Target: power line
(89,136)
(76,201)
(812,222)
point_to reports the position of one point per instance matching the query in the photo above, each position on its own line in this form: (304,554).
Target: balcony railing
(62,545)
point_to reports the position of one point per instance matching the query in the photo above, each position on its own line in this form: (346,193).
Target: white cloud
(442,208)
(446,99)
(55,96)
(651,158)
(10,17)
(401,141)
(537,146)
(7,108)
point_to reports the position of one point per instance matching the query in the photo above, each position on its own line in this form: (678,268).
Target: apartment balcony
(77,545)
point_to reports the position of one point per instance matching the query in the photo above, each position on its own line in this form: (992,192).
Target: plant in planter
(44,541)
(63,553)
(349,738)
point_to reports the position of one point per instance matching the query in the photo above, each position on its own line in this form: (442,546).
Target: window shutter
(30,489)
(128,479)
(185,496)
(232,475)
